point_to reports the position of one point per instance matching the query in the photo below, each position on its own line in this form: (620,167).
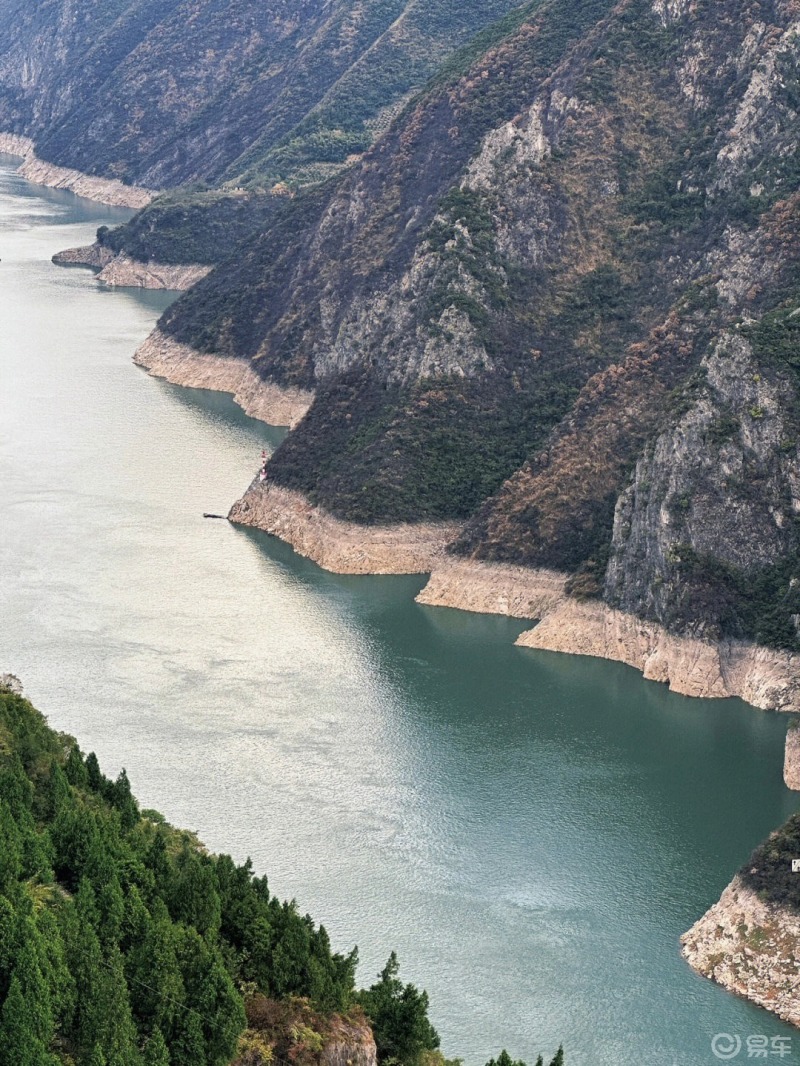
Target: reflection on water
(531,832)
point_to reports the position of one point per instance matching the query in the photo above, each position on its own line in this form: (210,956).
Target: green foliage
(399,1017)
(122,943)
(129,960)
(433,450)
(193,227)
(769,870)
(504,1059)
(776,337)
(755,605)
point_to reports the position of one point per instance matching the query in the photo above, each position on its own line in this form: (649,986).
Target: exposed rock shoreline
(166,358)
(751,948)
(120,269)
(341,547)
(791,760)
(493,588)
(103,190)
(763,677)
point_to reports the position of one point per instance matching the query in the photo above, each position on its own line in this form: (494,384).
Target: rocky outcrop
(166,358)
(341,547)
(791,761)
(493,588)
(122,270)
(104,190)
(721,484)
(94,256)
(750,948)
(766,678)
(349,1043)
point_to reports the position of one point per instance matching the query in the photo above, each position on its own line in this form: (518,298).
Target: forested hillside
(223,91)
(124,943)
(556,301)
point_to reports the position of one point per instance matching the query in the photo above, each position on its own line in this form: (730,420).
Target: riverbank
(180,364)
(337,546)
(121,270)
(103,190)
(750,948)
(766,678)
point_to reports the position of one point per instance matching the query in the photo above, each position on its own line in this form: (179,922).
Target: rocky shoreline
(341,547)
(751,948)
(765,678)
(166,358)
(791,759)
(121,270)
(103,190)
(493,588)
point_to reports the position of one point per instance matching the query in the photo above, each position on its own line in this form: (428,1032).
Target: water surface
(531,832)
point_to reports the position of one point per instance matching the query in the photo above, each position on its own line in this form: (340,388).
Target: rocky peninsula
(751,948)
(122,270)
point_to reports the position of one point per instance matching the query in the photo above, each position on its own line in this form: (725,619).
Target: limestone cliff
(791,763)
(104,190)
(572,330)
(342,547)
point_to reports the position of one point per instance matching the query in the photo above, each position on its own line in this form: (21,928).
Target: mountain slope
(161,94)
(550,276)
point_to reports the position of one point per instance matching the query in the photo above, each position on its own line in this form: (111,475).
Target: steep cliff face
(505,303)
(714,497)
(556,304)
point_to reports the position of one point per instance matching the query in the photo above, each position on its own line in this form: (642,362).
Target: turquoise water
(531,832)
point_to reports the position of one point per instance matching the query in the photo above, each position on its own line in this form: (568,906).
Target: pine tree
(189,1046)
(222,1007)
(107,1021)
(94,777)
(96,1057)
(120,796)
(75,768)
(10,848)
(399,1016)
(56,793)
(194,896)
(154,976)
(32,981)
(559,1059)
(156,1053)
(20,1042)
(111,910)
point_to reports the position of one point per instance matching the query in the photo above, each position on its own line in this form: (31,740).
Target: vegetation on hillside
(769,869)
(241,93)
(124,943)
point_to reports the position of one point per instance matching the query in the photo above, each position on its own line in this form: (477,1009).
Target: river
(531,832)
